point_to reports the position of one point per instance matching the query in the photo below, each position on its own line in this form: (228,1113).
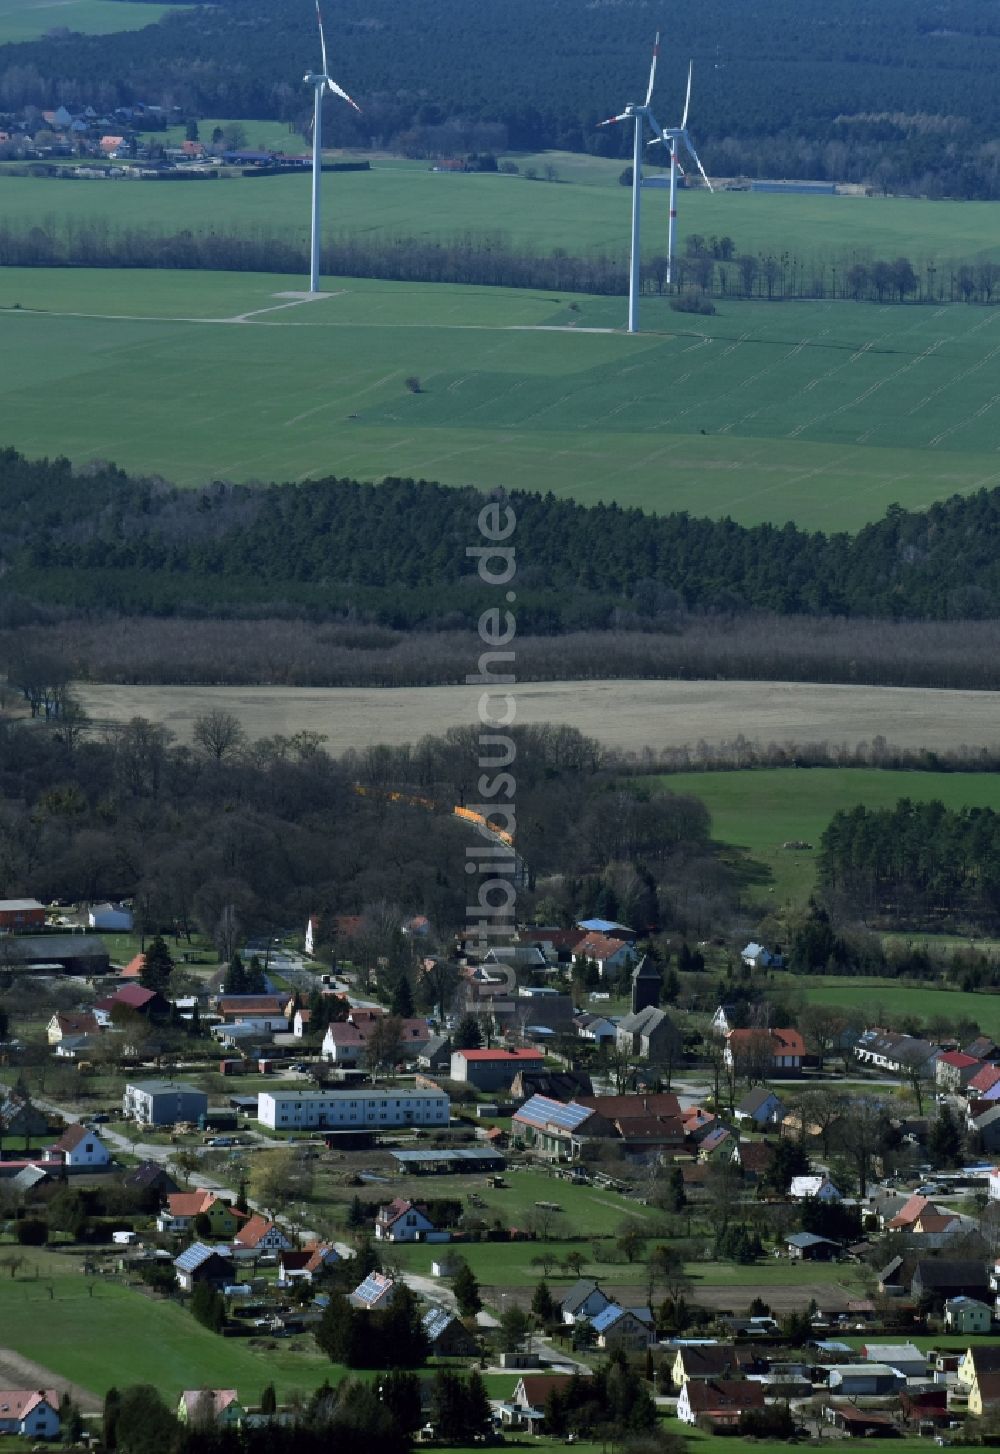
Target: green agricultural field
(586,212)
(29,19)
(824,413)
(118,1336)
(759,809)
(880,1001)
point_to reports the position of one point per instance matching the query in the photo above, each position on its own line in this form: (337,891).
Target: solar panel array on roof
(541,1111)
(196,1254)
(435,1321)
(373,1287)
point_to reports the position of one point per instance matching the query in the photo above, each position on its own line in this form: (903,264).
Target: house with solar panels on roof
(447,1336)
(376,1291)
(201,1263)
(549,1128)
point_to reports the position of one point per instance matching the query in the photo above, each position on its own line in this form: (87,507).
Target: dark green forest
(901,94)
(915,863)
(394,554)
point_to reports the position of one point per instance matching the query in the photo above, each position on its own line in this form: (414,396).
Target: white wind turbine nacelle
(321,82)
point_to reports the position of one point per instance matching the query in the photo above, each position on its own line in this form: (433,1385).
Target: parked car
(220,1141)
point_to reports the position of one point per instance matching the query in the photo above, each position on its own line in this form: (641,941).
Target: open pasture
(98,1333)
(29,19)
(824,413)
(887,1001)
(585,212)
(760,809)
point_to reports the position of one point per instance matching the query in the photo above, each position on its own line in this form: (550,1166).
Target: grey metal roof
(417,1158)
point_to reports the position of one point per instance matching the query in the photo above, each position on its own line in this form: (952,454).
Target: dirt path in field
(627,715)
(19,1372)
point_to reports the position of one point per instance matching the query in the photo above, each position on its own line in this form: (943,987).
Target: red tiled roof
(957,1059)
(252,1231)
(985,1079)
(612,1108)
(15,1403)
(537,1386)
(724,1395)
(599,946)
(72,1136)
(911,1210)
(134,968)
(783,1042)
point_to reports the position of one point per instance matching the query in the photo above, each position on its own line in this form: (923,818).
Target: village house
(612,956)
(76,1025)
(967,1315)
(259,1235)
(984,1085)
(755,956)
(79,1149)
(30,1413)
(184,1206)
(492,1069)
(531,1394)
(200,1263)
(650,1034)
(718,1403)
(597,1029)
(219,1407)
(307,1264)
(374,1291)
(402,1221)
(808,1247)
(345,1041)
(131,999)
(629,1329)
(447,1336)
(904,1055)
(813,1188)
(584,1301)
(300,1024)
(953,1070)
(771,1052)
(714,1360)
(718,1144)
(762,1107)
(18,1117)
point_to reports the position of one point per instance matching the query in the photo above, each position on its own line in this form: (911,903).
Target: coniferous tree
(543,1304)
(401,1003)
(468,1035)
(466,1289)
(157,967)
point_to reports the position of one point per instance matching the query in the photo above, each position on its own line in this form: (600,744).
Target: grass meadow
(29,19)
(118,1337)
(760,809)
(824,413)
(888,1001)
(587,211)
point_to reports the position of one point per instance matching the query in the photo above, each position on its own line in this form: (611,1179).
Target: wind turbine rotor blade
(322,37)
(613,120)
(687,98)
(339,91)
(652,68)
(697,161)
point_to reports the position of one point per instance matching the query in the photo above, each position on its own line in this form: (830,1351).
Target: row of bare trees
(762,647)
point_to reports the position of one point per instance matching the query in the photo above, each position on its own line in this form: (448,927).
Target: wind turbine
(671,136)
(637,114)
(321,82)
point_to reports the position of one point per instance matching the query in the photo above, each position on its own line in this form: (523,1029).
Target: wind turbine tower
(672,136)
(637,115)
(321,83)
